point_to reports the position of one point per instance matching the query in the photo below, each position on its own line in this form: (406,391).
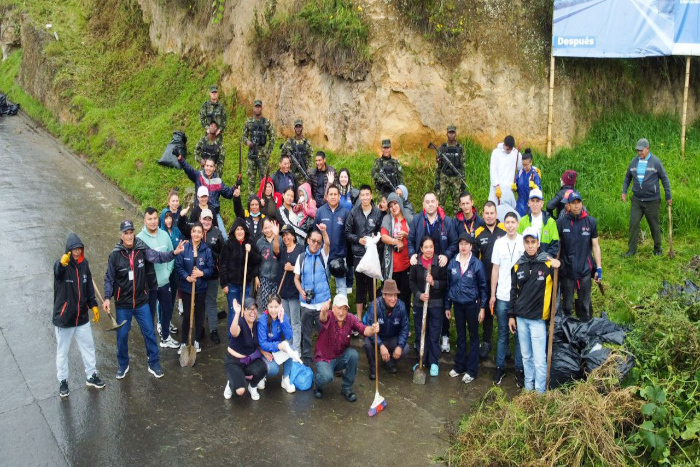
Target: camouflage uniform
(302,151)
(446,180)
(262,134)
(211,111)
(208,149)
(391,169)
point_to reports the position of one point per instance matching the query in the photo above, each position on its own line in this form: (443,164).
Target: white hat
(202,191)
(206,213)
(531,232)
(536,193)
(340,300)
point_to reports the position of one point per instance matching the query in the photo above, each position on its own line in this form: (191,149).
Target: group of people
(303,231)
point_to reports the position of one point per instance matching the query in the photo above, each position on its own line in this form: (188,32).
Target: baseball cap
(451,128)
(565,199)
(249,303)
(531,232)
(126,225)
(642,144)
(202,191)
(386,143)
(467,237)
(257,102)
(298,122)
(340,300)
(213,89)
(574,195)
(536,193)
(206,213)
(287,229)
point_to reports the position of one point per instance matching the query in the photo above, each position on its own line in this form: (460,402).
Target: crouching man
(392,336)
(333,352)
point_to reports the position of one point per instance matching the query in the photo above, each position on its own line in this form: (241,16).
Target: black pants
(467,315)
(404,287)
(487,334)
(364,286)
(390,344)
(198,330)
(309,320)
(650,210)
(236,371)
(582,287)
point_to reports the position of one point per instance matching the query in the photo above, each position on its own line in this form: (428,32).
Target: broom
(379,403)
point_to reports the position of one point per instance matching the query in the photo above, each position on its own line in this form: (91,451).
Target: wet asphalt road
(181,419)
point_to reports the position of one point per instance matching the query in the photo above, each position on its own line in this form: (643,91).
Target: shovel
(552,314)
(670,233)
(419,373)
(189,353)
(379,403)
(115,326)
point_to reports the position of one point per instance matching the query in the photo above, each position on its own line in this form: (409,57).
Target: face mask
(302,198)
(255,215)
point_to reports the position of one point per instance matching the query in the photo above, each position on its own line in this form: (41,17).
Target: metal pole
(685,104)
(550,106)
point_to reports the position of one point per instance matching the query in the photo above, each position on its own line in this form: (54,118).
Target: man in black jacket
(73,295)
(129,277)
(644,172)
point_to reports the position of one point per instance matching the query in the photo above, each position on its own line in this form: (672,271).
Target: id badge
(131,275)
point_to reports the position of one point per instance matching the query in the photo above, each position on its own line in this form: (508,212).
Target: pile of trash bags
(577,347)
(7,108)
(176,146)
(688,293)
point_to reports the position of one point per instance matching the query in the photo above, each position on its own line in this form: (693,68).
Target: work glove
(514,186)
(498,193)
(539,172)
(65,259)
(599,273)
(532,185)
(96,314)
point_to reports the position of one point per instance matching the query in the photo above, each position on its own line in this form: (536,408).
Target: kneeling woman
(274,335)
(244,357)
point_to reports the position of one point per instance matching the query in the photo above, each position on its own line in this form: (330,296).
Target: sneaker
(658,253)
(628,254)
(484,350)
(253,392)
(95,381)
(349,395)
(498,376)
(122,371)
(261,384)
(214,336)
(372,375)
(197,347)
(287,385)
(169,343)
(391,367)
(434,369)
(445,346)
(348,290)
(179,351)
(155,370)
(180,309)
(520,378)
(227,392)
(355,334)
(453,373)
(318,392)
(63,389)
(173,329)
(467,378)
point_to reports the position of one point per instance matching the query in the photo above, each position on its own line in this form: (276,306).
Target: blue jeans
(501,310)
(347,361)
(340,285)
(145,320)
(234,291)
(533,345)
(273,368)
(161,299)
(222,227)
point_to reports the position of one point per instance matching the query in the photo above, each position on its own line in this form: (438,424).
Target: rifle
(450,165)
(297,163)
(386,179)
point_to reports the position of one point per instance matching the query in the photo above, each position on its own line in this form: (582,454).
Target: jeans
(210,303)
(467,315)
(83,337)
(501,310)
(340,285)
(347,361)
(533,345)
(390,344)
(162,296)
(222,227)
(487,330)
(234,291)
(145,320)
(292,308)
(273,368)
(433,328)
(583,292)
(309,316)
(650,210)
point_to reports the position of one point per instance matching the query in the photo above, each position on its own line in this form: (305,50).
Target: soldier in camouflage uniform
(259,136)
(210,147)
(299,148)
(447,181)
(213,110)
(385,168)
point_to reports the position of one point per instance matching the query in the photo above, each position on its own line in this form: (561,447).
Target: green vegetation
(334,33)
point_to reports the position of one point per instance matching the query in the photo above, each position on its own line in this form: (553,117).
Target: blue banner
(625,28)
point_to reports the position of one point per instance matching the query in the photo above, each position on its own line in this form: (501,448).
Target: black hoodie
(232,257)
(73,293)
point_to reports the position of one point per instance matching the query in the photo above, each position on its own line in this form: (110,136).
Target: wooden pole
(685,104)
(550,106)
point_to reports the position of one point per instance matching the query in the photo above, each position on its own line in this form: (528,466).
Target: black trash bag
(559,333)
(566,365)
(595,355)
(177,146)
(7,108)
(581,334)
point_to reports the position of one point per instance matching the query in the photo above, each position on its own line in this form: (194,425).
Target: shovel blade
(188,356)
(419,376)
(116,326)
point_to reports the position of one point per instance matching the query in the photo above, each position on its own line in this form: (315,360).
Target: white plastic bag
(369,264)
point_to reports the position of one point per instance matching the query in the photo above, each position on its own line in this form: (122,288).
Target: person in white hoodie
(505,162)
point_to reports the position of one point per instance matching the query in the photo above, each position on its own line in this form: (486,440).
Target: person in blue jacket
(527,178)
(189,272)
(467,291)
(393,329)
(275,335)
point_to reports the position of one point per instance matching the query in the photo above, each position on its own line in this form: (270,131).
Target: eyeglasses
(314,241)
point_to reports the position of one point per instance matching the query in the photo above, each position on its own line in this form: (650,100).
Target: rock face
(9,31)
